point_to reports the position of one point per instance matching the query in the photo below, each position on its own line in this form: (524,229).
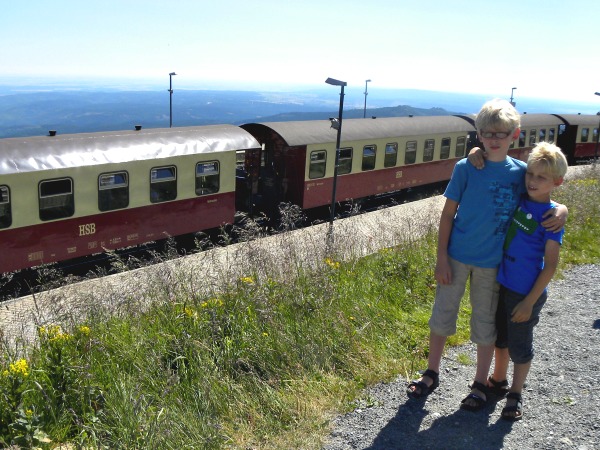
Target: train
(69,196)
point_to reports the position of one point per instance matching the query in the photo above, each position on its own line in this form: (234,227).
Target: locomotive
(69,196)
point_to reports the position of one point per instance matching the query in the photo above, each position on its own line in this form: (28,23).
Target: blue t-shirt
(487,199)
(525,245)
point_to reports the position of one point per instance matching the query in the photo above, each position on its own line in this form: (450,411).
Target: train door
(270,183)
(246,179)
(567,138)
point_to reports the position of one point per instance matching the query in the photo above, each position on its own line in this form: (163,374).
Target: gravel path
(561,399)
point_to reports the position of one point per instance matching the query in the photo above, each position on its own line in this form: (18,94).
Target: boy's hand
(521,312)
(443,273)
(556,218)
(477,157)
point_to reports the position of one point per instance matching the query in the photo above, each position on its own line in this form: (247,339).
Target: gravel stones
(561,401)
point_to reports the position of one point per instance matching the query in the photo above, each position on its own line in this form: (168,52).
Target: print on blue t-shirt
(523,258)
(486,201)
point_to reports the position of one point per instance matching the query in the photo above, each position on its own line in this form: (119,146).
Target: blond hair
(498,114)
(551,156)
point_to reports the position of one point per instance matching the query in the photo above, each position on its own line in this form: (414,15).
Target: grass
(264,361)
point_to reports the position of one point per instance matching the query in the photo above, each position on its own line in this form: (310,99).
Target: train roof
(535,120)
(320,131)
(73,150)
(580,119)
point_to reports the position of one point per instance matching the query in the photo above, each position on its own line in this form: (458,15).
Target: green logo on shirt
(521,221)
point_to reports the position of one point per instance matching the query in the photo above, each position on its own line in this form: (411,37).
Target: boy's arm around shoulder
(522,312)
(556,218)
(477,157)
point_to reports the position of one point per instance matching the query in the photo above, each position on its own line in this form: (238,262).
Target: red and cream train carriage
(580,138)
(377,156)
(67,196)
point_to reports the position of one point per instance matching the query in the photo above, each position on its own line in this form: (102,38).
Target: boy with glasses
(479,205)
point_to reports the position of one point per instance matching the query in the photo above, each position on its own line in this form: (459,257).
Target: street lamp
(366,93)
(511,96)
(171,99)
(337,124)
(597,135)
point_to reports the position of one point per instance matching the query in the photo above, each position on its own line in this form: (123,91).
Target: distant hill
(396,111)
(34,110)
(35,113)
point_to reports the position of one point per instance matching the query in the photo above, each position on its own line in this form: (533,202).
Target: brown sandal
(424,390)
(514,412)
(498,388)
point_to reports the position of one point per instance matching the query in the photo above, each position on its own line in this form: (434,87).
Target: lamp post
(171,99)
(597,135)
(511,96)
(366,93)
(337,124)
(597,139)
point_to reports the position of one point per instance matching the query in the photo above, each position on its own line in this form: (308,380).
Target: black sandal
(517,409)
(424,389)
(498,388)
(479,401)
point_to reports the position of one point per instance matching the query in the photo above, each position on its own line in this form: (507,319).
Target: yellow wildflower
(54,333)
(247,280)
(212,303)
(19,367)
(331,263)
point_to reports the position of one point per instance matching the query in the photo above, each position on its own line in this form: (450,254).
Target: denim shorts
(518,337)
(483,297)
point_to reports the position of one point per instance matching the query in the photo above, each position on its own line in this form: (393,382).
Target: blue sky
(545,48)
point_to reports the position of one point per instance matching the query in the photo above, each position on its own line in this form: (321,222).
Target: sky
(545,48)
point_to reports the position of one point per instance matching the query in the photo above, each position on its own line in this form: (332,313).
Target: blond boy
(529,261)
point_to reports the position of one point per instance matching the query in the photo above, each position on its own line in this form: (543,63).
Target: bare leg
(519,376)
(501,360)
(485,353)
(436,349)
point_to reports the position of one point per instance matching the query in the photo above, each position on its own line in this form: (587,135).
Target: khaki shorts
(484,301)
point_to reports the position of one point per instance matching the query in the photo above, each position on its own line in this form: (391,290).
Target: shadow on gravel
(460,430)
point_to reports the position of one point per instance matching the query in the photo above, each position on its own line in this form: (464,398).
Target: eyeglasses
(498,135)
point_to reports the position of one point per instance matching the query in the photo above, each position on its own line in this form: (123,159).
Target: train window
(428,150)
(585,134)
(460,147)
(445,151)
(522,138)
(391,155)
(113,191)
(595,138)
(532,135)
(163,184)
(542,135)
(207,178)
(240,159)
(369,155)
(345,161)
(410,156)
(551,134)
(561,129)
(5,209)
(318,164)
(56,199)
